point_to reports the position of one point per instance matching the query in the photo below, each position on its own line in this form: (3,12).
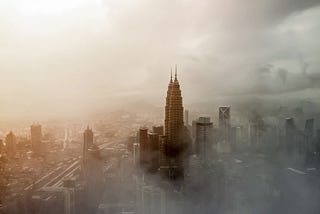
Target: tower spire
(175,73)
(171,75)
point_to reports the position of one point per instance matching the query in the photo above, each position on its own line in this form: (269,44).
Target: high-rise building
(158,130)
(235,136)
(174,130)
(153,141)
(290,132)
(204,140)
(224,122)
(144,145)
(186,117)
(309,127)
(87,143)
(309,132)
(11,144)
(36,139)
(175,117)
(154,151)
(136,153)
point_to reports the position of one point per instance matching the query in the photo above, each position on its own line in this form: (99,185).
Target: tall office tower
(174,129)
(144,145)
(224,122)
(11,144)
(166,120)
(204,140)
(36,139)
(290,132)
(158,130)
(153,151)
(308,133)
(186,117)
(153,141)
(309,127)
(235,136)
(93,174)
(87,143)
(136,154)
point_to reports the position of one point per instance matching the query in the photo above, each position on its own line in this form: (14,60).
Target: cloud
(98,51)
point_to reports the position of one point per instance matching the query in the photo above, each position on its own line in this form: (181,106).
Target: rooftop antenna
(175,75)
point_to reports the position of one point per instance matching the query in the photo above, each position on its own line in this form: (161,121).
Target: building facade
(204,138)
(87,143)
(11,144)
(174,125)
(36,139)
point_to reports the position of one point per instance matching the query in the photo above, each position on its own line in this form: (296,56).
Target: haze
(76,57)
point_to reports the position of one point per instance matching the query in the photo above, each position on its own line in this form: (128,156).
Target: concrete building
(136,153)
(290,132)
(11,144)
(204,138)
(186,117)
(36,139)
(158,130)
(154,151)
(87,143)
(224,122)
(174,128)
(144,145)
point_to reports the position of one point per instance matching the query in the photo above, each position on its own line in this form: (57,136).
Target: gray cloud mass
(77,57)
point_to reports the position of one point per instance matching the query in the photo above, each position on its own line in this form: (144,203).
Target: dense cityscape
(242,162)
(159,107)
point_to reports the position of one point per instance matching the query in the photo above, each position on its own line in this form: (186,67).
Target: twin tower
(164,150)
(173,147)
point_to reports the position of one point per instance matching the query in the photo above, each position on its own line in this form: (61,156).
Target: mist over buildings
(88,108)
(77,58)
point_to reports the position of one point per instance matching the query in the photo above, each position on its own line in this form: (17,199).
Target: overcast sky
(72,57)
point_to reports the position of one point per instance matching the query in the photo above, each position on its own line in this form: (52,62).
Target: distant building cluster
(191,163)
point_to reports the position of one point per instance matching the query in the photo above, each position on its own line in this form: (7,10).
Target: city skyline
(134,163)
(159,107)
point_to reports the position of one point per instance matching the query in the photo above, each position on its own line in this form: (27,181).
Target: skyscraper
(204,141)
(290,132)
(158,130)
(136,153)
(223,145)
(309,132)
(144,145)
(309,127)
(154,151)
(166,120)
(173,147)
(87,143)
(186,117)
(11,144)
(175,118)
(36,139)
(224,122)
